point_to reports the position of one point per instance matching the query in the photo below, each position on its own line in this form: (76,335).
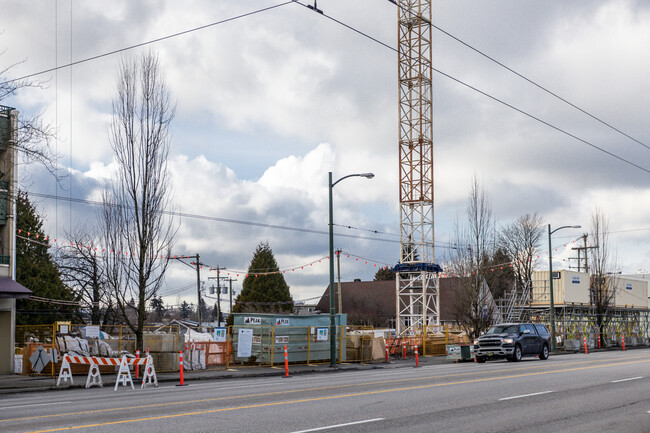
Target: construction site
(564,300)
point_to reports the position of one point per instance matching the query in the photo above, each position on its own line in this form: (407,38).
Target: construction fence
(163,343)
(239,345)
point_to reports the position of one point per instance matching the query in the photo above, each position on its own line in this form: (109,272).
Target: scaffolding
(581,321)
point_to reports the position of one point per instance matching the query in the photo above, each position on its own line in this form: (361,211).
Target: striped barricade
(123,374)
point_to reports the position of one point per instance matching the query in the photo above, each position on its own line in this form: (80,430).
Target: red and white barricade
(123,374)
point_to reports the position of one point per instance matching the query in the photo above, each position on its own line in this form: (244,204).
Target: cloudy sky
(269,103)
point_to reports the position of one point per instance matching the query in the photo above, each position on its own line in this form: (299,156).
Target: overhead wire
(523,77)
(219,219)
(494,98)
(142,44)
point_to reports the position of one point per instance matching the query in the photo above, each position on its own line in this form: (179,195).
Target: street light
(550,279)
(331,291)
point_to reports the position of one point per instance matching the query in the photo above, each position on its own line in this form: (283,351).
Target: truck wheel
(480,359)
(544,354)
(516,356)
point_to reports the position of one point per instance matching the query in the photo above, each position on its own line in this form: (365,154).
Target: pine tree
(264,289)
(385,274)
(36,270)
(498,273)
(158,306)
(186,310)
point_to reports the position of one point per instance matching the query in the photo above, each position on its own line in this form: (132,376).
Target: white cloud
(256,95)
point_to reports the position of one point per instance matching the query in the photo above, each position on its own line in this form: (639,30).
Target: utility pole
(219,278)
(338,269)
(218,297)
(230,280)
(198,287)
(584,248)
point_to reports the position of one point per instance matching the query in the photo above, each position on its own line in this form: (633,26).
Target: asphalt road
(599,392)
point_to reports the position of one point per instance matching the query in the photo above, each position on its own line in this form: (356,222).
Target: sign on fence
(92,331)
(244,343)
(220,335)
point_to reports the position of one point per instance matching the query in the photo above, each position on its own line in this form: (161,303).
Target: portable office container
(569,287)
(629,292)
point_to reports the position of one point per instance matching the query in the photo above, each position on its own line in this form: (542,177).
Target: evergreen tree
(264,289)
(36,270)
(385,274)
(186,310)
(498,273)
(158,306)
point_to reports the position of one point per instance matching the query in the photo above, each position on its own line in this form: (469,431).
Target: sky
(267,104)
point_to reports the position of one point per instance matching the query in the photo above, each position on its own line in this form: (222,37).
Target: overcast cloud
(268,104)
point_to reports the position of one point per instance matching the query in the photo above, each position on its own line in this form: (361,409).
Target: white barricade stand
(65,373)
(94,377)
(149,377)
(124,374)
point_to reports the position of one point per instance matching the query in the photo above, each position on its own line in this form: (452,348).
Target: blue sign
(628,286)
(575,279)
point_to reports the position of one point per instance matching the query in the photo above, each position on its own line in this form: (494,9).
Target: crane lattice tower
(417,276)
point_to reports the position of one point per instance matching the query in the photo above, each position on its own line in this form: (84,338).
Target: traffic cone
(181,368)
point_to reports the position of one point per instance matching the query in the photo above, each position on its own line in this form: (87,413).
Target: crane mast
(417,275)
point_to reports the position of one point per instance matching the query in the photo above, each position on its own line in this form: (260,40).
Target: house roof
(378,297)
(11,289)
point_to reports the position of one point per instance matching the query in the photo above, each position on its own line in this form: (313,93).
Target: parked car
(513,341)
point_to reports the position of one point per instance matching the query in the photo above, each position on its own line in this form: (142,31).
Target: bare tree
(602,263)
(137,229)
(83,269)
(474,306)
(29,136)
(521,240)
(480,225)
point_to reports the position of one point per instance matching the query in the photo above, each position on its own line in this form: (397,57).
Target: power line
(539,86)
(494,98)
(142,44)
(219,219)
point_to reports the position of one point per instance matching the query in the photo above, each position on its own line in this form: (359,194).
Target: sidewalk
(17,383)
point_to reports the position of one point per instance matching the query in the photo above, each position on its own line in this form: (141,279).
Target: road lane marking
(625,380)
(642,359)
(339,425)
(330,397)
(525,395)
(34,404)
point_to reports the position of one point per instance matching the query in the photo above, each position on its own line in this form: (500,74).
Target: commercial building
(9,289)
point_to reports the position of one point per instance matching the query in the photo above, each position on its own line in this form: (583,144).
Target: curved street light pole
(332,333)
(550,280)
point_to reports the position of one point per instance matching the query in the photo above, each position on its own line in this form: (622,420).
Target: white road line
(525,395)
(629,378)
(339,425)
(34,404)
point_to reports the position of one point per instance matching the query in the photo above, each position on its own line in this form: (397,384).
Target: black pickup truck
(513,341)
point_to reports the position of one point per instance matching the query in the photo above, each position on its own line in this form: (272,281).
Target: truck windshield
(508,329)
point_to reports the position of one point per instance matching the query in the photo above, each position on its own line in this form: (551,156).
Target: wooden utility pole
(338,268)
(198,287)
(230,280)
(583,249)
(219,278)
